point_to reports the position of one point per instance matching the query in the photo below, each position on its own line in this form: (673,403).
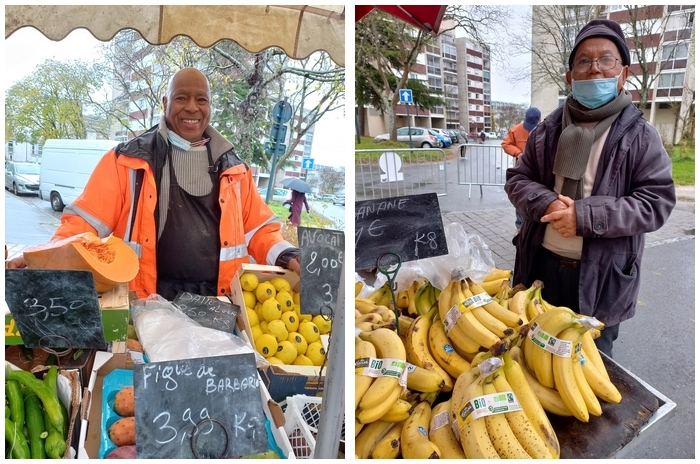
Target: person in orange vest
(514,144)
(181,197)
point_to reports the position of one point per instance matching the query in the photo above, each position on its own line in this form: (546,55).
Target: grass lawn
(307,220)
(683,160)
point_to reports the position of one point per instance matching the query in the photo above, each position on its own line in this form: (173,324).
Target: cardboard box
(76,360)
(115,317)
(264,274)
(90,434)
(69,392)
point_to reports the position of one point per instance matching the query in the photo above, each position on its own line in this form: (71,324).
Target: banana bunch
(424,301)
(560,353)
(380,296)
(495,279)
(370,315)
(418,352)
(472,319)
(508,433)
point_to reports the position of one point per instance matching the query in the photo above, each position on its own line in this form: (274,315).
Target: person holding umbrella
(299,189)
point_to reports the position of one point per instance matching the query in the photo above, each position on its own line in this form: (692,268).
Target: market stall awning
(298,30)
(426,17)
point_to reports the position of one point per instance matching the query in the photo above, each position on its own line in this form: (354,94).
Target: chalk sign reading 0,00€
(216,399)
(322,252)
(410,227)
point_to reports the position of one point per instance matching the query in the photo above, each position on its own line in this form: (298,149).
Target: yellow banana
(592,354)
(534,309)
(531,405)
(415,443)
(358,288)
(419,353)
(565,380)
(411,310)
(423,380)
(495,309)
(363,349)
(492,286)
(380,295)
(389,446)
(404,324)
(402,299)
(443,352)
(473,435)
(519,423)
(551,323)
(502,436)
(364,305)
(498,274)
(389,346)
(372,318)
(462,343)
(441,432)
(549,398)
(592,403)
(493,324)
(368,437)
(425,299)
(398,412)
(502,296)
(358,428)
(386,314)
(517,305)
(367,415)
(469,323)
(601,386)
(480,357)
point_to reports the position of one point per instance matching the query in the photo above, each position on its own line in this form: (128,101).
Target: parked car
(450,133)
(491,135)
(445,140)
(326,197)
(339,199)
(420,137)
(22,177)
(278,194)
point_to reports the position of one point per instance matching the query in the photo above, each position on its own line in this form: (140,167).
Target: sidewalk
(493,218)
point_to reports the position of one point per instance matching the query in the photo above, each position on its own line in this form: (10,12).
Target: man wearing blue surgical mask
(593,179)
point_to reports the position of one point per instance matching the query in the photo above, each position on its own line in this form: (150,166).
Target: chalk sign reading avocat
(206,408)
(409,226)
(208,312)
(322,252)
(55,308)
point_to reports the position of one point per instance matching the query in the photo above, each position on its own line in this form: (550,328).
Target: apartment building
(665,47)
(457,69)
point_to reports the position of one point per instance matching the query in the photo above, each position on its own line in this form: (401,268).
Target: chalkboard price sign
(322,252)
(409,226)
(55,308)
(208,312)
(206,408)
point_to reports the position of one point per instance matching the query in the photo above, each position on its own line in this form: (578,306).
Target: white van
(66,166)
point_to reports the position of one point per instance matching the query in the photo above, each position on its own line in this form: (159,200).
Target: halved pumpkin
(111,261)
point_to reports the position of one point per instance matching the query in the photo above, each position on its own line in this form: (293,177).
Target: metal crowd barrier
(395,172)
(482,165)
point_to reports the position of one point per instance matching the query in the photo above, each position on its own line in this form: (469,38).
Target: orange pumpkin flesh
(111,260)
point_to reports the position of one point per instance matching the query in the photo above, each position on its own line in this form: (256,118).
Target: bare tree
(330,179)
(508,115)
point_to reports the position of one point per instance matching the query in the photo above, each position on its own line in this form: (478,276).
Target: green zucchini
(35,424)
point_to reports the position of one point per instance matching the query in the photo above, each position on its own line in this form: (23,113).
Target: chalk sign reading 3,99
(204,407)
(410,227)
(321,257)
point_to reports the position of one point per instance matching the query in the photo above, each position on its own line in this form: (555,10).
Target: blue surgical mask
(178,141)
(595,93)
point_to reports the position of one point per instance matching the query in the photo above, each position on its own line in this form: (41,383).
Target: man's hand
(561,214)
(16,263)
(294,265)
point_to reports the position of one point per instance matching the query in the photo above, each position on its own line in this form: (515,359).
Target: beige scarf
(575,142)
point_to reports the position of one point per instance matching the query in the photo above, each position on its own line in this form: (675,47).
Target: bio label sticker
(549,342)
(451,318)
(382,367)
(497,403)
(477,300)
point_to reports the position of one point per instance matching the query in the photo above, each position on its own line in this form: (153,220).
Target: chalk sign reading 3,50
(322,254)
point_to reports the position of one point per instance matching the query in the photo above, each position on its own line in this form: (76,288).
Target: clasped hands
(561,214)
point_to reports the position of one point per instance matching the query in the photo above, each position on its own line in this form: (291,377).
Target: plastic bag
(166,334)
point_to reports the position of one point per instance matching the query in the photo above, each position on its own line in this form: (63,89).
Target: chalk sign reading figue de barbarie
(55,308)
(409,226)
(206,408)
(208,312)
(322,252)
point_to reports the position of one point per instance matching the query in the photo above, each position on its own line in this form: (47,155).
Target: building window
(434,82)
(449,51)
(617,7)
(680,21)
(671,80)
(433,64)
(675,51)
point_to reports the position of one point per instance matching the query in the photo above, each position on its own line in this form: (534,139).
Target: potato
(123,432)
(124,402)
(122,452)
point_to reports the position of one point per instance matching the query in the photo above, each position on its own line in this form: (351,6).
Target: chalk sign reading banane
(409,226)
(322,252)
(216,399)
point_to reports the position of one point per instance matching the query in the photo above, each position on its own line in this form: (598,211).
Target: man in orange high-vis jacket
(182,199)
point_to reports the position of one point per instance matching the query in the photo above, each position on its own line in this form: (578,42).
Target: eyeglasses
(605,63)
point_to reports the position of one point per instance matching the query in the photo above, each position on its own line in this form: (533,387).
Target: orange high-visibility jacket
(248,227)
(515,140)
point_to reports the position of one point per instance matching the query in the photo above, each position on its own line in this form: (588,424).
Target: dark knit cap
(602,28)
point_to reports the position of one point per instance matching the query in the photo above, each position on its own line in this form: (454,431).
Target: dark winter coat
(633,194)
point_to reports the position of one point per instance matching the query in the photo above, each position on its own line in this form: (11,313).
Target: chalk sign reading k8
(409,226)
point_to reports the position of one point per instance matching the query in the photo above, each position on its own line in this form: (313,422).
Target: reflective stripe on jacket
(248,226)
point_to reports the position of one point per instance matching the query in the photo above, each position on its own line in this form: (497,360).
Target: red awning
(426,17)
